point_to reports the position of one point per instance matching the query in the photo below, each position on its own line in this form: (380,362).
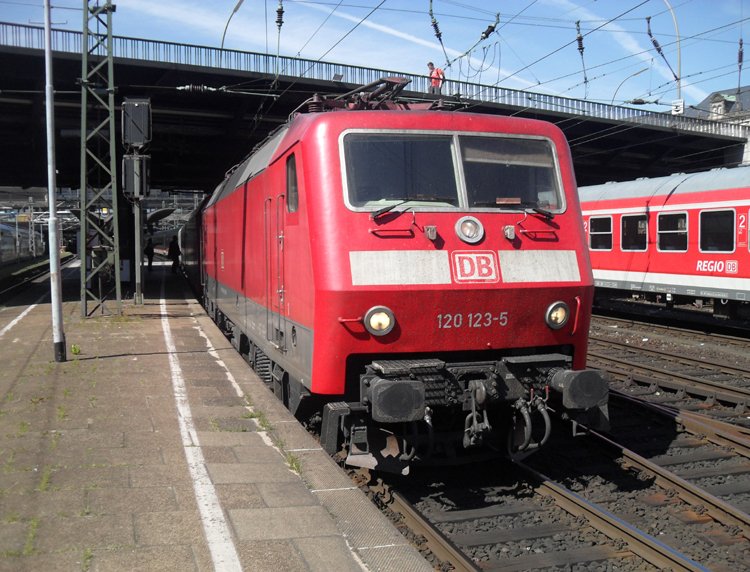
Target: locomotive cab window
(672,232)
(503,172)
(717,231)
(634,232)
(600,233)
(292,191)
(383,168)
(434,171)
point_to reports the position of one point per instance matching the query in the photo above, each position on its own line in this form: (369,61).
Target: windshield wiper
(526,207)
(549,215)
(388,208)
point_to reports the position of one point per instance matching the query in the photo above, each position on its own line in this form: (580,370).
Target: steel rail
(671,380)
(438,543)
(714,430)
(731,340)
(639,542)
(39,270)
(715,507)
(708,365)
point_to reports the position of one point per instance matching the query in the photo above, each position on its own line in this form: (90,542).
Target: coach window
(292,194)
(717,231)
(634,232)
(671,232)
(600,233)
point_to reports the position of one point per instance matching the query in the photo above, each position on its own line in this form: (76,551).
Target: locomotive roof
(267,151)
(680,183)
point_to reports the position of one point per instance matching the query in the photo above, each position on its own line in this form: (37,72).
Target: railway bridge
(210,107)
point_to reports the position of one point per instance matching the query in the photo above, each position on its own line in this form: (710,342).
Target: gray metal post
(32,246)
(18,238)
(138,255)
(58,333)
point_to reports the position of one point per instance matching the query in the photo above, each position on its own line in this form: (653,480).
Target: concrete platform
(154,447)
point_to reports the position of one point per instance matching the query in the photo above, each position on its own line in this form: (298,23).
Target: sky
(533,45)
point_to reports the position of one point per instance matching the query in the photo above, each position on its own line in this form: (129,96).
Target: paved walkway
(155,448)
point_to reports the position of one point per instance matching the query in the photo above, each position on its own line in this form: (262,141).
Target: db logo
(475,266)
(733,267)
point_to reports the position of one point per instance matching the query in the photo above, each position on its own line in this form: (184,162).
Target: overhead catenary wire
(579,39)
(544,57)
(438,33)
(698,36)
(482,37)
(261,112)
(656,44)
(279,24)
(739,60)
(299,52)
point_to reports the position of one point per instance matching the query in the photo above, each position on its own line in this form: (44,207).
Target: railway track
(685,482)
(506,517)
(660,491)
(677,318)
(696,383)
(688,335)
(12,284)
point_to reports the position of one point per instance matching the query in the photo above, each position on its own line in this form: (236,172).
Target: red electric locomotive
(414,281)
(681,238)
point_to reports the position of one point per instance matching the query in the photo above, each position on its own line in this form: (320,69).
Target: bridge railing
(32,37)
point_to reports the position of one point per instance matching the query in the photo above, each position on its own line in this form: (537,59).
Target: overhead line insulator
(280,15)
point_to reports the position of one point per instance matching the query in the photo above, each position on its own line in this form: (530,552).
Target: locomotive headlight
(557,315)
(469,229)
(379,320)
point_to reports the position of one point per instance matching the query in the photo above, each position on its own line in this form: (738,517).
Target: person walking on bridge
(436,78)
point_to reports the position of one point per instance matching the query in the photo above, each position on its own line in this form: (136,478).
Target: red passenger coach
(415,282)
(681,238)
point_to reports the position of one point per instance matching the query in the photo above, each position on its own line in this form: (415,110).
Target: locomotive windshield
(448,172)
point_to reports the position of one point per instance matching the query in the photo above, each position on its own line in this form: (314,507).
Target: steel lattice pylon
(99,244)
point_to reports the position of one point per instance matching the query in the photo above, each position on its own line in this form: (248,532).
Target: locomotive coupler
(477,424)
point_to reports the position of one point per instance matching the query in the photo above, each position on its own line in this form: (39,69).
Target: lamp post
(677,31)
(224,35)
(623,81)
(58,332)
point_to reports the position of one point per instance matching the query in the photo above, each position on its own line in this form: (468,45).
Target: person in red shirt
(436,78)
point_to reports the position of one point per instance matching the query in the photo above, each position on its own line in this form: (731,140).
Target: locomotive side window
(672,232)
(292,192)
(502,171)
(717,231)
(383,168)
(634,232)
(600,233)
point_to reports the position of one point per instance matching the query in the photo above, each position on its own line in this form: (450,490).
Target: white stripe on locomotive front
(414,267)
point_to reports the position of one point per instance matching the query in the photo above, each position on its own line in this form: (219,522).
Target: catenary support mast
(99,244)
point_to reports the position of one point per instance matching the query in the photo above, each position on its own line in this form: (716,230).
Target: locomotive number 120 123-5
(472,320)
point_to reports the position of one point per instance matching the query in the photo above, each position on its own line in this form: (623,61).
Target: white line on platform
(218,536)
(21,316)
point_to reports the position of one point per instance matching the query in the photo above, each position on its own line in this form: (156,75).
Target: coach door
(274,233)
